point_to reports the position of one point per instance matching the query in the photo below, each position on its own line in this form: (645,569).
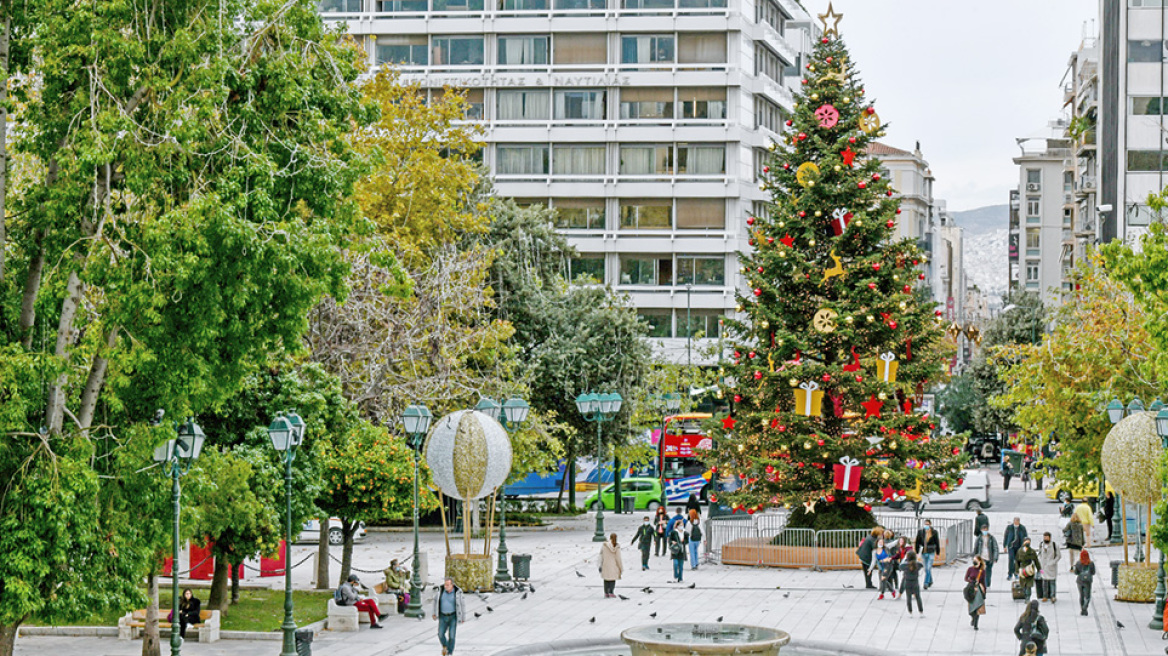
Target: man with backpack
(348,595)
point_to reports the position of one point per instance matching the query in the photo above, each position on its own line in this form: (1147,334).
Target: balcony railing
(350,11)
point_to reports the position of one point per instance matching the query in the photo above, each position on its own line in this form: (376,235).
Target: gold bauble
(858,222)
(837,168)
(848,319)
(871,318)
(884,475)
(806,445)
(782,223)
(811,243)
(892,445)
(903,305)
(882,396)
(793,382)
(818,213)
(1131,454)
(815,96)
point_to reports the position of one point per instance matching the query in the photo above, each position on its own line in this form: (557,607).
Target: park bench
(131,625)
(347,618)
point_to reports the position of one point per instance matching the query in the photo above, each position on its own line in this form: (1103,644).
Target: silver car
(310,532)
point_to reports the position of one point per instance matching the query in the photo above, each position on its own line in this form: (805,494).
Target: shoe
(869,587)
(881,596)
(382,616)
(376,626)
(443,651)
(1083,613)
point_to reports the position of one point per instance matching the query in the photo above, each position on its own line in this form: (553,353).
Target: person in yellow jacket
(1087,519)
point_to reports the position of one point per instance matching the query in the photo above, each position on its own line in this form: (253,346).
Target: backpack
(338,597)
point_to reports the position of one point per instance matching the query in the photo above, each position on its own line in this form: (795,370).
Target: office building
(1041,240)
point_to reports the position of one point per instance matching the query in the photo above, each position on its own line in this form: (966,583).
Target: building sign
(684,446)
(462,80)
(1013,245)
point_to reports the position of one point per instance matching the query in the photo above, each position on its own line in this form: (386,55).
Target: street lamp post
(416,420)
(668,404)
(1157,623)
(599,408)
(177,455)
(511,416)
(287,433)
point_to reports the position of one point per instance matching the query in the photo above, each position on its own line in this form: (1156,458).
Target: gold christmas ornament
(869,122)
(833,18)
(815,96)
(882,396)
(811,243)
(806,445)
(849,319)
(837,168)
(805,172)
(884,475)
(824,320)
(871,318)
(793,382)
(818,213)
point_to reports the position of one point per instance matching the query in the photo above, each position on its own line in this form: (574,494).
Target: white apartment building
(645,123)
(1041,212)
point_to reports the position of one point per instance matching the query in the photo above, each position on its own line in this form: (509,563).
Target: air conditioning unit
(1033,186)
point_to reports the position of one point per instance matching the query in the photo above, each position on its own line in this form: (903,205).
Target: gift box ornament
(847,474)
(840,219)
(886,366)
(809,399)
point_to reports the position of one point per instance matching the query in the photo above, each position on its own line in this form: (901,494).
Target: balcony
(362,11)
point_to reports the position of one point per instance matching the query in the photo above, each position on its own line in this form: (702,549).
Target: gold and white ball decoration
(1131,454)
(469,454)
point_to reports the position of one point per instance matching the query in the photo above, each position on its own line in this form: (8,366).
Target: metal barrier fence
(765,540)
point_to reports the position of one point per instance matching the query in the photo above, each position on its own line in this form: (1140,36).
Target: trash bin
(629,504)
(304,642)
(1115,573)
(521,566)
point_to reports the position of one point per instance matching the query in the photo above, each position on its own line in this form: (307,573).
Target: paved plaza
(821,607)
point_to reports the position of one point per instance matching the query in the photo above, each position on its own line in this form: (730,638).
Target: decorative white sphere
(469,454)
(1131,455)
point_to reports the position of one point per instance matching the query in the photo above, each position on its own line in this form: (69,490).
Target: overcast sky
(965,79)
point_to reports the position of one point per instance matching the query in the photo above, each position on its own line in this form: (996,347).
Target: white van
(973,493)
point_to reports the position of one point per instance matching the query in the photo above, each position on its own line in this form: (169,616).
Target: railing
(422,9)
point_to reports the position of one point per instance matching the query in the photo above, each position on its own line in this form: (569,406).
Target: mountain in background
(986,236)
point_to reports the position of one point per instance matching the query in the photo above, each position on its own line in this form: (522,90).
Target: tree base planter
(471,572)
(760,552)
(704,639)
(1137,583)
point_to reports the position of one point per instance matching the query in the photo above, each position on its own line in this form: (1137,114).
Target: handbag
(675,549)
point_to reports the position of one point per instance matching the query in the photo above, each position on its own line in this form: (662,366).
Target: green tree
(831,291)
(956,403)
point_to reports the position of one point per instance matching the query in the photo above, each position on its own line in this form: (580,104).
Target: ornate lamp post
(416,420)
(177,455)
(668,405)
(1157,623)
(287,433)
(511,416)
(599,408)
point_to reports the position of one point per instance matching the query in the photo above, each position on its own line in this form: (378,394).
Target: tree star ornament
(809,506)
(872,407)
(833,18)
(849,156)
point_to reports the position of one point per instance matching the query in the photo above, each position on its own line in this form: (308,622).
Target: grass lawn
(257,610)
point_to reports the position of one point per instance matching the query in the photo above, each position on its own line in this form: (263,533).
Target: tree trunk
(96,378)
(348,527)
(151,644)
(235,582)
(570,479)
(8,638)
(322,557)
(55,409)
(217,598)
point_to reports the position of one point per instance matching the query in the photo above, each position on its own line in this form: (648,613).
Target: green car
(646,491)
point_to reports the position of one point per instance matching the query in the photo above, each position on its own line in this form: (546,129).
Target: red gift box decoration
(839,221)
(847,474)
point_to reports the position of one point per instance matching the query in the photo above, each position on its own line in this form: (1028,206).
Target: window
(701,214)
(523,50)
(649,271)
(646,213)
(1147,160)
(769,12)
(649,49)
(348,6)
(458,5)
(698,48)
(523,104)
(646,159)
(1142,215)
(1031,273)
(523,160)
(580,104)
(702,323)
(1145,3)
(580,4)
(701,159)
(1033,242)
(1033,179)
(472,97)
(1149,106)
(767,63)
(761,157)
(590,267)
(578,160)
(760,208)
(579,213)
(402,50)
(457,50)
(646,103)
(1145,51)
(660,322)
(401,5)
(768,114)
(647,4)
(702,102)
(701,271)
(701,4)
(580,48)
(1068,216)
(522,5)
(1033,206)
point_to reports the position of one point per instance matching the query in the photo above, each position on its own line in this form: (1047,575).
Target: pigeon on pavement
(653,614)
(1119,624)
(524,596)
(691,586)
(579,574)
(622,597)
(477,614)
(593,620)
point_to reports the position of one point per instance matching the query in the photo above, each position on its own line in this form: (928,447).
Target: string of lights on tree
(835,339)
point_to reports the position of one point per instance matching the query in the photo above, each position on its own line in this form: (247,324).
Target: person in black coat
(1012,541)
(644,535)
(911,581)
(693,507)
(1109,512)
(864,553)
(1031,627)
(188,611)
(1007,474)
(928,545)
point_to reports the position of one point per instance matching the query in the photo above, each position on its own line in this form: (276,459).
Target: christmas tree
(837,339)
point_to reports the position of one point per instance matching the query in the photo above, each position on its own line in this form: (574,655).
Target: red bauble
(921,276)
(787,166)
(871,285)
(749,355)
(938,313)
(828,60)
(750,220)
(960,481)
(871,111)
(790,122)
(851,140)
(868,507)
(956,451)
(907,289)
(713,470)
(802,136)
(738,398)
(892,325)
(758,375)
(802,214)
(750,242)
(875,266)
(826,40)
(760,269)
(875,176)
(829,498)
(891,224)
(757,292)
(900,493)
(782,429)
(859,379)
(766,169)
(770,469)
(804,81)
(898,210)
(819,442)
(916,262)
(750,511)
(713,498)
(737,354)
(827,378)
(944,485)
(889,194)
(770,240)
(863,185)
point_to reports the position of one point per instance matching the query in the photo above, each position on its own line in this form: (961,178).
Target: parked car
(973,493)
(647,492)
(986,447)
(310,532)
(1064,491)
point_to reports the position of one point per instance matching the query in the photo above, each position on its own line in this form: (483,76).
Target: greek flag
(679,489)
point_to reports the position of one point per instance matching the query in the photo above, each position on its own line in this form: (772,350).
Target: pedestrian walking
(928,545)
(864,553)
(1031,627)
(1027,567)
(450,611)
(695,540)
(898,551)
(1048,564)
(912,582)
(1109,513)
(660,522)
(677,551)
(1012,541)
(693,507)
(674,521)
(987,547)
(644,536)
(1007,473)
(1074,535)
(980,521)
(1026,475)
(1087,518)
(975,590)
(610,565)
(883,557)
(1084,577)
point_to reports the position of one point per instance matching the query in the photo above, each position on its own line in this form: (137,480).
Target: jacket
(993,546)
(980,522)
(611,566)
(1013,538)
(927,545)
(1085,574)
(348,595)
(864,551)
(192,605)
(660,522)
(975,575)
(677,537)
(911,581)
(674,521)
(1036,631)
(693,504)
(1075,537)
(1109,506)
(1048,560)
(1026,556)
(459,604)
(645,535)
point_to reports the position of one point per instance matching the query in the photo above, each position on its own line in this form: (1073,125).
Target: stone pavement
(813,606)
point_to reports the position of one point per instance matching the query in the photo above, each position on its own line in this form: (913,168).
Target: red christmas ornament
(875,266)
(760,269)
(868,507)
(790,122)
(891,224)
(898,210)
(916,262)
(872,407)
(859,379)
(889,193)
(819,442)
(802,136)
(907,289)
(758,375)
(737,354)
(738,398)
(960,481)
(713,498)
(788,240)
(956,451)
(802,214)
(944,485)
(750,355)
(750,220)
(804,81)
(828,60)
(750,241)
(750,511)
(871,111)
(757,292)
(728,422)
(863,185)
(892,325)
(827,378)
(846,474)
(829,498)
(826,40)
(849,156)
(872,285)
(921,276)
(770,240)
(766,169)
(876,176)
(851,140)
(938,313)
(787,166)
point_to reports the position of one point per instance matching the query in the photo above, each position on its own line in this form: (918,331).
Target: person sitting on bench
(348,595)
(188,612)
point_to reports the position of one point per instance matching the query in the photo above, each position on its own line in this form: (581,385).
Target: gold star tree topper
(834,18)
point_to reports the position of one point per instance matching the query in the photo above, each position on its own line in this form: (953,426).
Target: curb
(112,632)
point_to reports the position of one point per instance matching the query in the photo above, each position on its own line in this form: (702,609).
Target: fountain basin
(686,639)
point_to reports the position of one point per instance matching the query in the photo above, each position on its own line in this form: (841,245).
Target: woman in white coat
(611,567)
